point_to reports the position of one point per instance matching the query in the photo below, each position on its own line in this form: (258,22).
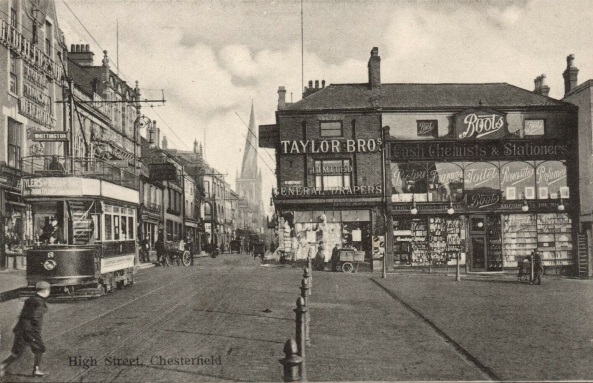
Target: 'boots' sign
(480,124)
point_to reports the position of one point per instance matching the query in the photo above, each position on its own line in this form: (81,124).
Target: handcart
(177,253)
(349,259)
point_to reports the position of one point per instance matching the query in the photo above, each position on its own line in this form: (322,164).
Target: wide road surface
(226,319)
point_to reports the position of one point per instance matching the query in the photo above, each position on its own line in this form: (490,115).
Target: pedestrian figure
(55,165)
(538,268)
(159,246)
(523,270)
(27,332)
(145,248)
(335,257)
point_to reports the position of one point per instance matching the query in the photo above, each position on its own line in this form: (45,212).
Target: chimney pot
(316,84)
(374,66)
(310,83)
(72,47)
(87,48)
(323,83)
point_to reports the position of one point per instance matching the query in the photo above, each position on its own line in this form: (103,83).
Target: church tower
(249,183)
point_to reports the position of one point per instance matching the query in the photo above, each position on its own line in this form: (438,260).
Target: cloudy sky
(214,58)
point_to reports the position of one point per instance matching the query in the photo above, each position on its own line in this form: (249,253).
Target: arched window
(482,176)
(409,179)
(517,180)
(207,209)
(445,181)
(551,180)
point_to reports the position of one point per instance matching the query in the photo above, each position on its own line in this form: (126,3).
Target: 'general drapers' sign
(480,124)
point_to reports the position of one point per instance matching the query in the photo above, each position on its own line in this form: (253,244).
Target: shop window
(551,180)
(14,143)
(409,180)
(517,180)
(124,228)
(116,227)
(331,174)
(131,227)
(483,177)
(445,182)
(330,128)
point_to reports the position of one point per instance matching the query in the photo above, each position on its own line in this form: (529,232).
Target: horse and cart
(176,253)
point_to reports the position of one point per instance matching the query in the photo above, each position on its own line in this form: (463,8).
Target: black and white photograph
(296,190)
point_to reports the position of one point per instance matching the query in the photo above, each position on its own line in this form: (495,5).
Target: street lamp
(450,211)
(525,206)
(561,206)
(140,122)
(414,209)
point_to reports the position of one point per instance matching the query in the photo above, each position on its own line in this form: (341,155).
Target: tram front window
(63,222)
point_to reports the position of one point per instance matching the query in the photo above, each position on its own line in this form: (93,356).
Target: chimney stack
(81,54)
(570,74)
(164,145)
(540,86)
(374,69)
(281,98)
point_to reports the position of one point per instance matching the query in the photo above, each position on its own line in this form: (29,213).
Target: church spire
(249,167)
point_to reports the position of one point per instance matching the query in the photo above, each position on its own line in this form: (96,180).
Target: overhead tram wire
(92,37)
(250,132)
(259,155)
(170,128)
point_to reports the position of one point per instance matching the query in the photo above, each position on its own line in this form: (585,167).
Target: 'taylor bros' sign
(330,146)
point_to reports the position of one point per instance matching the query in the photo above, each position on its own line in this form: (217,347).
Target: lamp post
(140,122)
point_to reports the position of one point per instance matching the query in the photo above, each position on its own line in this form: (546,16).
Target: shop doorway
(485,243)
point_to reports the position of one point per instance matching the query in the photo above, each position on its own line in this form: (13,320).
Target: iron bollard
(310,267)
(307,276)
(301,315)
(305,293)
(291,362)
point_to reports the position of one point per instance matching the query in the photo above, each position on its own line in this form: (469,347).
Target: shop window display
(554,239)
(519,237)
(517,179)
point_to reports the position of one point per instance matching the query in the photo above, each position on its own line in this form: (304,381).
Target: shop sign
(292,182)
(313,191)
(402,176)
(35,112)
(550,173)
(481,199)
(480,124)
(534,127)
(427,128)
(29,52)
(465,150)
(50,136)
(330,146)
(53,186)
(330,170)
(163,172)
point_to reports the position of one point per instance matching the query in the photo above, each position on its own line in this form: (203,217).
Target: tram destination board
(163,172)
(50,136)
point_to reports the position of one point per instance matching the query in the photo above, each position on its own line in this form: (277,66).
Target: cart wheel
(186,258)
(347,267)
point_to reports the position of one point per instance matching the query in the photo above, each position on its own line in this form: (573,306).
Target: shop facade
(485,187)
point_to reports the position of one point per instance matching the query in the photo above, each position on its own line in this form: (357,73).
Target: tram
(82,225)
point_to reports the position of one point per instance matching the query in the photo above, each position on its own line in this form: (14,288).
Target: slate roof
(421,96)
(84,76)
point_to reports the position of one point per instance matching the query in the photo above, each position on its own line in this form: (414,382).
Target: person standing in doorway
(27,332)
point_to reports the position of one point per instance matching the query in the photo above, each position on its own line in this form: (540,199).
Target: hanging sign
(50,136)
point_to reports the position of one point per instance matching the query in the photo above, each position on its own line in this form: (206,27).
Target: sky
(214,59)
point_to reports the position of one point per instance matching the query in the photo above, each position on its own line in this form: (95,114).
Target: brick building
(480,173)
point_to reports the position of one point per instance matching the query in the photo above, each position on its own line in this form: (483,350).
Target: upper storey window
(330,128)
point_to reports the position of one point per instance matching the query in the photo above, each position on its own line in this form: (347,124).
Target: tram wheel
(186,258)
(347,267)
